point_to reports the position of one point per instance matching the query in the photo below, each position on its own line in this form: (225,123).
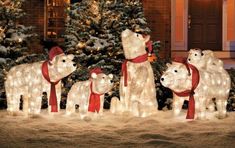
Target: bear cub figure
(89,95)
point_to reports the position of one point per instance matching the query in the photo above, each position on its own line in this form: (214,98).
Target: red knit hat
(54,52)
(96,71)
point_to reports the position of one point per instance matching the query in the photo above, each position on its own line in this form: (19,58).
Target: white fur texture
(80,93)
(27,80)
(212,84)
(139,97)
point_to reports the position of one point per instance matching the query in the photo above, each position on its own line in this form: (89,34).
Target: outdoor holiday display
(137,87)
(93,35)
(89,95)
(31,80)
(199,86)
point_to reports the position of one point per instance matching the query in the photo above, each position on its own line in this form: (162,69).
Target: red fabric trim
(149,45)
(138,59)
(94,101)
(53,98)
(190,93)
(183,61)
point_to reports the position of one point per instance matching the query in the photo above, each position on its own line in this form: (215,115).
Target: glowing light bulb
(20,40)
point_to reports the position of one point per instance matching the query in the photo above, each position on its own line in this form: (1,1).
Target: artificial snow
(3,49)
(3,61)
(110,130)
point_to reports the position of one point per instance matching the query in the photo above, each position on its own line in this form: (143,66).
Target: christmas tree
(13,37)
(93,29)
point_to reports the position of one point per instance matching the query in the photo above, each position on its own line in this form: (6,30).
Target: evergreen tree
(13,37)
(231,99)
(93,34)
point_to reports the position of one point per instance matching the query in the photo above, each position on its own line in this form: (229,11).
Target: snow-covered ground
(158,130)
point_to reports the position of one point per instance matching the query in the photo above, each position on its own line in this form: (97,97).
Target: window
(55,19)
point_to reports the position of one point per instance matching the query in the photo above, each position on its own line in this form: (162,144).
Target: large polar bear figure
(31,80)
(89,95)
(137,86)
(198,86)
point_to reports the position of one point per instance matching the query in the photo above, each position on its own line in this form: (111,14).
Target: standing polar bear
(89,95)
(199,86)
(205,60)
(137,87)
(31,80)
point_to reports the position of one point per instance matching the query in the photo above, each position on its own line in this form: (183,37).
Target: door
(205,24)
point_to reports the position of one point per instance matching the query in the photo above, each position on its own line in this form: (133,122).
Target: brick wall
(158,14)
(34,15)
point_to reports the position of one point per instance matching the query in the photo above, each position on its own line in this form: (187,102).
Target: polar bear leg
(221,107)
(33,101)
(70,106)
(135,108)
(177,105)
(15,100)
(116,105)
(58,95)
(202,108)
(9,94)
(25,104)
(48,100)
(101,105)
(124,99)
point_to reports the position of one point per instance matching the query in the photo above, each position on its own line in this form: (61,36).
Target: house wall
(158,14)
(34,10)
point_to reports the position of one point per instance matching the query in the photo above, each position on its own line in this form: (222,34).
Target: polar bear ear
(146,38)
(111,76)
(53,61)
(71,57)
(168,65)
(94,75)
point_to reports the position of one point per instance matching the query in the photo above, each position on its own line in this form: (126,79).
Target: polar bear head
(60,65)
(176,77)
(101,83)
(197,58)
(133,44)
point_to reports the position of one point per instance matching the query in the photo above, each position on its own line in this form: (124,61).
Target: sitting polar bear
(137,87)
(31,80)
(200,84)
(89,95)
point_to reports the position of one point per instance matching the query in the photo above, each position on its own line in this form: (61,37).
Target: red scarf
(53,98)
(190,93)
(138,59)
(94,102)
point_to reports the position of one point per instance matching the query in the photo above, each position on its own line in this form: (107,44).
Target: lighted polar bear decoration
(89,95)
(28,81)
(205,60)
(211,85)
(137,86)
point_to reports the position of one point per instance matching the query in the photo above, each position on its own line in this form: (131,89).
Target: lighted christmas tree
(13,37)
(93,29)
